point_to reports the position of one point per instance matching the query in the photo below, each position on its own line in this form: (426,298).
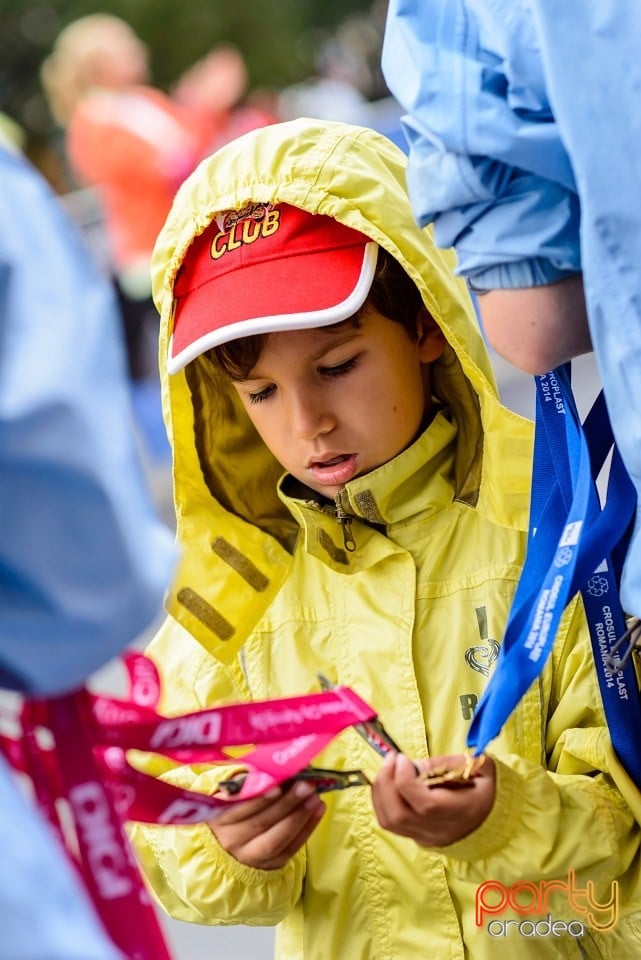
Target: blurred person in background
(133,144)
(215,89)
(11,133)
(335,92)
(84,560)
(348,83)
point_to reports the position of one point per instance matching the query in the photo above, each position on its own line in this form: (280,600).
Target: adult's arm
(487,165)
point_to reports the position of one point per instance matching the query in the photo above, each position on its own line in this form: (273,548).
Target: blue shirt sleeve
(84,560)
(486,164)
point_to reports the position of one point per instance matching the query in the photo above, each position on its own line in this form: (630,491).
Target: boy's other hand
(267,831)
(432,816)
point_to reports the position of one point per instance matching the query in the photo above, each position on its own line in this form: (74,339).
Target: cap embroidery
(240,227)
(229,218)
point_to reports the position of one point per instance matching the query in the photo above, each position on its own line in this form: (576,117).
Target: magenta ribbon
(85,766)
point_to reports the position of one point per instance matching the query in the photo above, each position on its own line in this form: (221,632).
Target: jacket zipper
(346,526)
(345,520)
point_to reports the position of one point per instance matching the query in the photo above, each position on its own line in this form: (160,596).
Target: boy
(310,327)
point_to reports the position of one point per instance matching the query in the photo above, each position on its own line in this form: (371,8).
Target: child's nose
(309,418)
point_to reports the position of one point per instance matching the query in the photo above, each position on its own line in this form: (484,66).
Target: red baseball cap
(264,269)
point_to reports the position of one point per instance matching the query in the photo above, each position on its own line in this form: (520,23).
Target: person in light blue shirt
(524,133)
(84,560)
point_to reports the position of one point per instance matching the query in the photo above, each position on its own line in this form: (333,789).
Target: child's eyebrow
(340,334)
(340,340)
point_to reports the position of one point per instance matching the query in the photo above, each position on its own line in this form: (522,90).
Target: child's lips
(334,469)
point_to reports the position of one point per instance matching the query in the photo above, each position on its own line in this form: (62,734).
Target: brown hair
(392,293)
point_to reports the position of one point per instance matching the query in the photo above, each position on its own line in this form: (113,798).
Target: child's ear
(430,339)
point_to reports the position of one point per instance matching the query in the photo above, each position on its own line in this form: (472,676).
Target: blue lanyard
(574,544)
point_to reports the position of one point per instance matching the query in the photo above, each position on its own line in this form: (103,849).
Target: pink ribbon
(86,767)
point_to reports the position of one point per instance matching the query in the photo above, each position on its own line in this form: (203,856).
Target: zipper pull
(346,526)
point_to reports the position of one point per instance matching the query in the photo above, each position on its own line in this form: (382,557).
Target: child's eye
(259,395)
(340,369)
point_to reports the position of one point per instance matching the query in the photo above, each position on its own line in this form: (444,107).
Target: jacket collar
(417,483)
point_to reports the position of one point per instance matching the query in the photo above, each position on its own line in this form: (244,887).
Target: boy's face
(334,404)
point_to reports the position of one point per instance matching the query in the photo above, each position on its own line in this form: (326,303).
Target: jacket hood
(235,534)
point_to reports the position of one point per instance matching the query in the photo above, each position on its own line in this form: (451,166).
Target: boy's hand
(432,816)
(266,832)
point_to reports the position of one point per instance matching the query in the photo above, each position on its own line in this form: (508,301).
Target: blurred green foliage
(277,37)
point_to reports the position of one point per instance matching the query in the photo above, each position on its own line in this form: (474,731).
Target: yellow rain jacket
(268,596)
